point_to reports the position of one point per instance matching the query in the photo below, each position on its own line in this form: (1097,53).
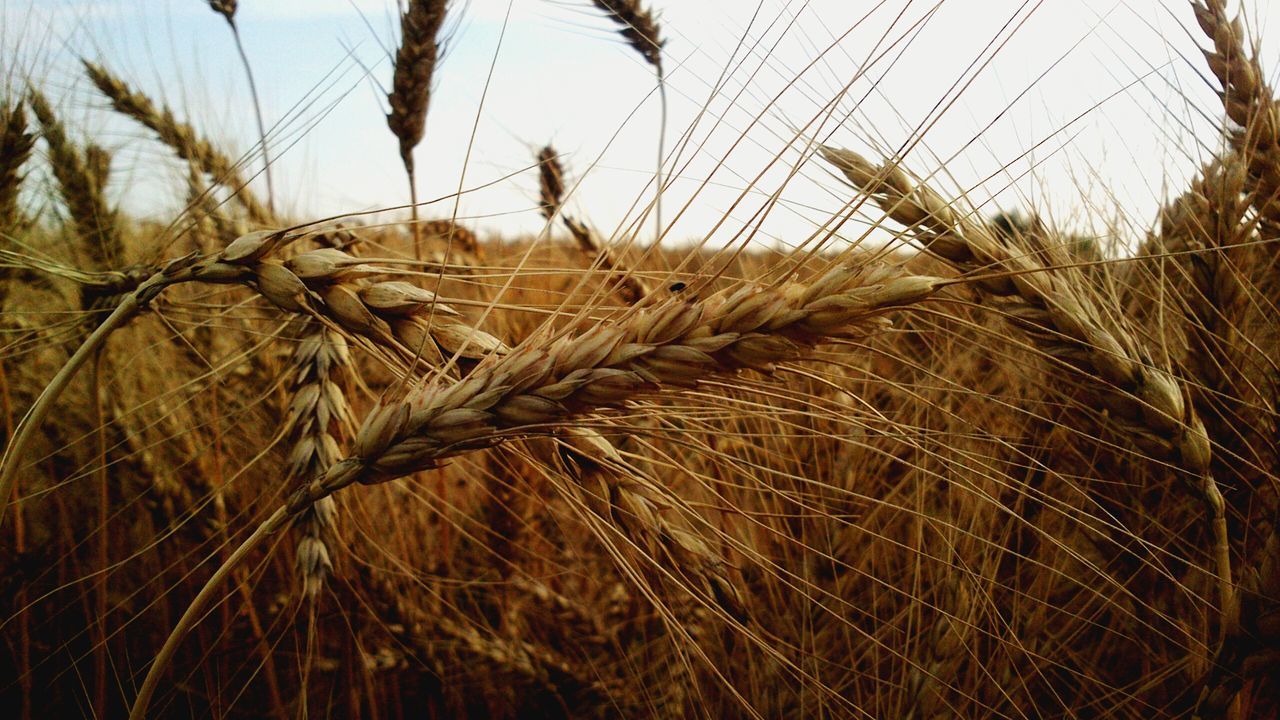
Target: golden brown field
(268,466)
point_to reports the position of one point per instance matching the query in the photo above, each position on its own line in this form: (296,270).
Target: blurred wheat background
(560,359)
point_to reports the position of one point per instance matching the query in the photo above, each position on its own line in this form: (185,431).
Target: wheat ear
(634,504)
(1047,303)
(1206,232)
(80,177)
(673,344)
(551,203)
(183,139)
(15,148)
(421,42)
(318,422)
(1249,102)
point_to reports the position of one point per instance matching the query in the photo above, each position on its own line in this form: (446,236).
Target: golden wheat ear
(421,45)
(82,176)
(182,138)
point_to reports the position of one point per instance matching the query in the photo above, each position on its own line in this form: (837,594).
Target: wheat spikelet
(185,142)
(81,179)
(638,27)
(332,284)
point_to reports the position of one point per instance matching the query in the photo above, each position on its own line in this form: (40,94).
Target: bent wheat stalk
(126,310)
(671,345)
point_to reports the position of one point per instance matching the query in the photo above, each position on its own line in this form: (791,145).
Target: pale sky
(1090,110)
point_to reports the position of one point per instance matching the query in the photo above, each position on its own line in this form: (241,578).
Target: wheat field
(932,459)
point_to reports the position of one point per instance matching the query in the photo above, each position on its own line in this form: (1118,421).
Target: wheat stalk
(639,27)
(420,48)
(227,9)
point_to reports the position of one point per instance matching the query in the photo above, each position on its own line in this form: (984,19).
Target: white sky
(1090,110)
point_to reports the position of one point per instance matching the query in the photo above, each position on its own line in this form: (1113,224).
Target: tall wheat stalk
(639,27)
(227,9)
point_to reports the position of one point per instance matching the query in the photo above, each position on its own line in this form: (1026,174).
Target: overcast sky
(1086,110)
